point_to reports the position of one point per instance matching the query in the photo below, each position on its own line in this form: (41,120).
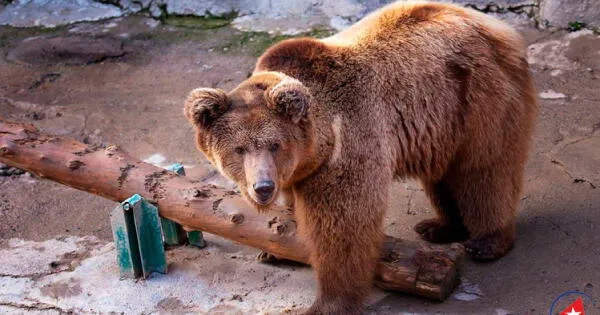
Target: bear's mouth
(267,201)
(262,202)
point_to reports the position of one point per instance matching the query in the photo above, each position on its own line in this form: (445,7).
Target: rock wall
(563,12)
(50,13)
(270,15)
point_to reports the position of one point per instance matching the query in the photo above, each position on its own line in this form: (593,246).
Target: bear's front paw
(437,231)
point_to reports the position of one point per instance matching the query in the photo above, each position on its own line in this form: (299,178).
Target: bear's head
(258,135)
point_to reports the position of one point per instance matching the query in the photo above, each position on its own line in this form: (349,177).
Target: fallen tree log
(425,270)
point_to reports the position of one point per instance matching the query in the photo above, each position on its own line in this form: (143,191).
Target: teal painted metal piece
(149,235)
(177,168)
(173,233)
(138,238)
(195,238)
(128,252)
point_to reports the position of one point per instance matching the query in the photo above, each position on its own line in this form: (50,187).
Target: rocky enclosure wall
(270,15)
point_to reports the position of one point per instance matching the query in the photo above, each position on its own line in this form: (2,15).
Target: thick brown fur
(427,91)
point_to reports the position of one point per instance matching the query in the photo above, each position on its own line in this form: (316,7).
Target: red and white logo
(576,308)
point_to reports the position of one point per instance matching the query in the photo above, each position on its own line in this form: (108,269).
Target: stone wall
(562,12)
(296,15)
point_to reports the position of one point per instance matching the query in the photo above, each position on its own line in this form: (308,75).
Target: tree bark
(425,270)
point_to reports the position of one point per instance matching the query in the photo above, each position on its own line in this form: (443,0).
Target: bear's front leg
(344,234)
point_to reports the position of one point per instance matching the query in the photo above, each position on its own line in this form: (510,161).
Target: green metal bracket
(139,233)
(195,238)
(173,232)
(128,251)
(138,238)
(177,168)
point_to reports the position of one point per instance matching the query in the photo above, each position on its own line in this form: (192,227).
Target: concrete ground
(123,81)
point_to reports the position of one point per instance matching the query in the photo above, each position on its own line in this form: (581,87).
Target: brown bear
(429,91)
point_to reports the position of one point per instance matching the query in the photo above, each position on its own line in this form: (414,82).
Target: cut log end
(431,271)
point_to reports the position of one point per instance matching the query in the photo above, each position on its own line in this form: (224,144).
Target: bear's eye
(274,147)
(261,86)
(240,150)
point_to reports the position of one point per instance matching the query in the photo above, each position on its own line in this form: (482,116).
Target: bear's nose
(264,189)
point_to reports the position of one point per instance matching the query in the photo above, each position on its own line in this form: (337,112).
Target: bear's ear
(290,98)
(203,106)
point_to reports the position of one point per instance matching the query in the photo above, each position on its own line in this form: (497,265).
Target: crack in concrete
(411,195)
(564,142)
(106,58)
(36,306)
(575,179)
(35,276)
(561,145)
(409,203)
(67,262)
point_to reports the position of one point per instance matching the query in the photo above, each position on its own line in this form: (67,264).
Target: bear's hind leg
(487,199)
(448,226)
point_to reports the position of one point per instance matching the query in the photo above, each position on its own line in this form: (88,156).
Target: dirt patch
(170,304)
(70,260)
(62,289)
(73,50)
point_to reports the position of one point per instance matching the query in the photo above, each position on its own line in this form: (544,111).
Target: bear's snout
(264,190)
